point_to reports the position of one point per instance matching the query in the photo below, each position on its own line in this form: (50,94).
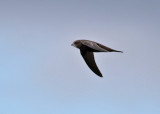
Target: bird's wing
(107,48)
(98,47)
(89,59)
(93,45)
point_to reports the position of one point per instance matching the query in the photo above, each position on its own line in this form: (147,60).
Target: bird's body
(87,48)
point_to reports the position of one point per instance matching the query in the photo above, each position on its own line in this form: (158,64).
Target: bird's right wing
(89,59)
(98,47)
(93,45)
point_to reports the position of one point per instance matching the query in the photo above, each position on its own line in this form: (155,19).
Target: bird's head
(77,44)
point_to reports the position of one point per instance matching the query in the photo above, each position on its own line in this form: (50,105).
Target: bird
(87,49)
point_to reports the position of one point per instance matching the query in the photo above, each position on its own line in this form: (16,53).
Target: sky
(41,73)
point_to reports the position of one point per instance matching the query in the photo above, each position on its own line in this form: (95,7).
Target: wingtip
(120,51)
(100,75)
(117,51)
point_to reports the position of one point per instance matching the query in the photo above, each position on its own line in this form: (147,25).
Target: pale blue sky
(41,73)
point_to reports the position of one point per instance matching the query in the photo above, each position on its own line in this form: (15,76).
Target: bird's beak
(72,44)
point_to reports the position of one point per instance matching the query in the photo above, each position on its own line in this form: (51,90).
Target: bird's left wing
(89,59)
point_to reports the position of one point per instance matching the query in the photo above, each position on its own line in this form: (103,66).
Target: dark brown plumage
(87,48)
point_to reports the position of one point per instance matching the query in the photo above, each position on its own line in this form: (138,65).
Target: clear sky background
(41,73)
